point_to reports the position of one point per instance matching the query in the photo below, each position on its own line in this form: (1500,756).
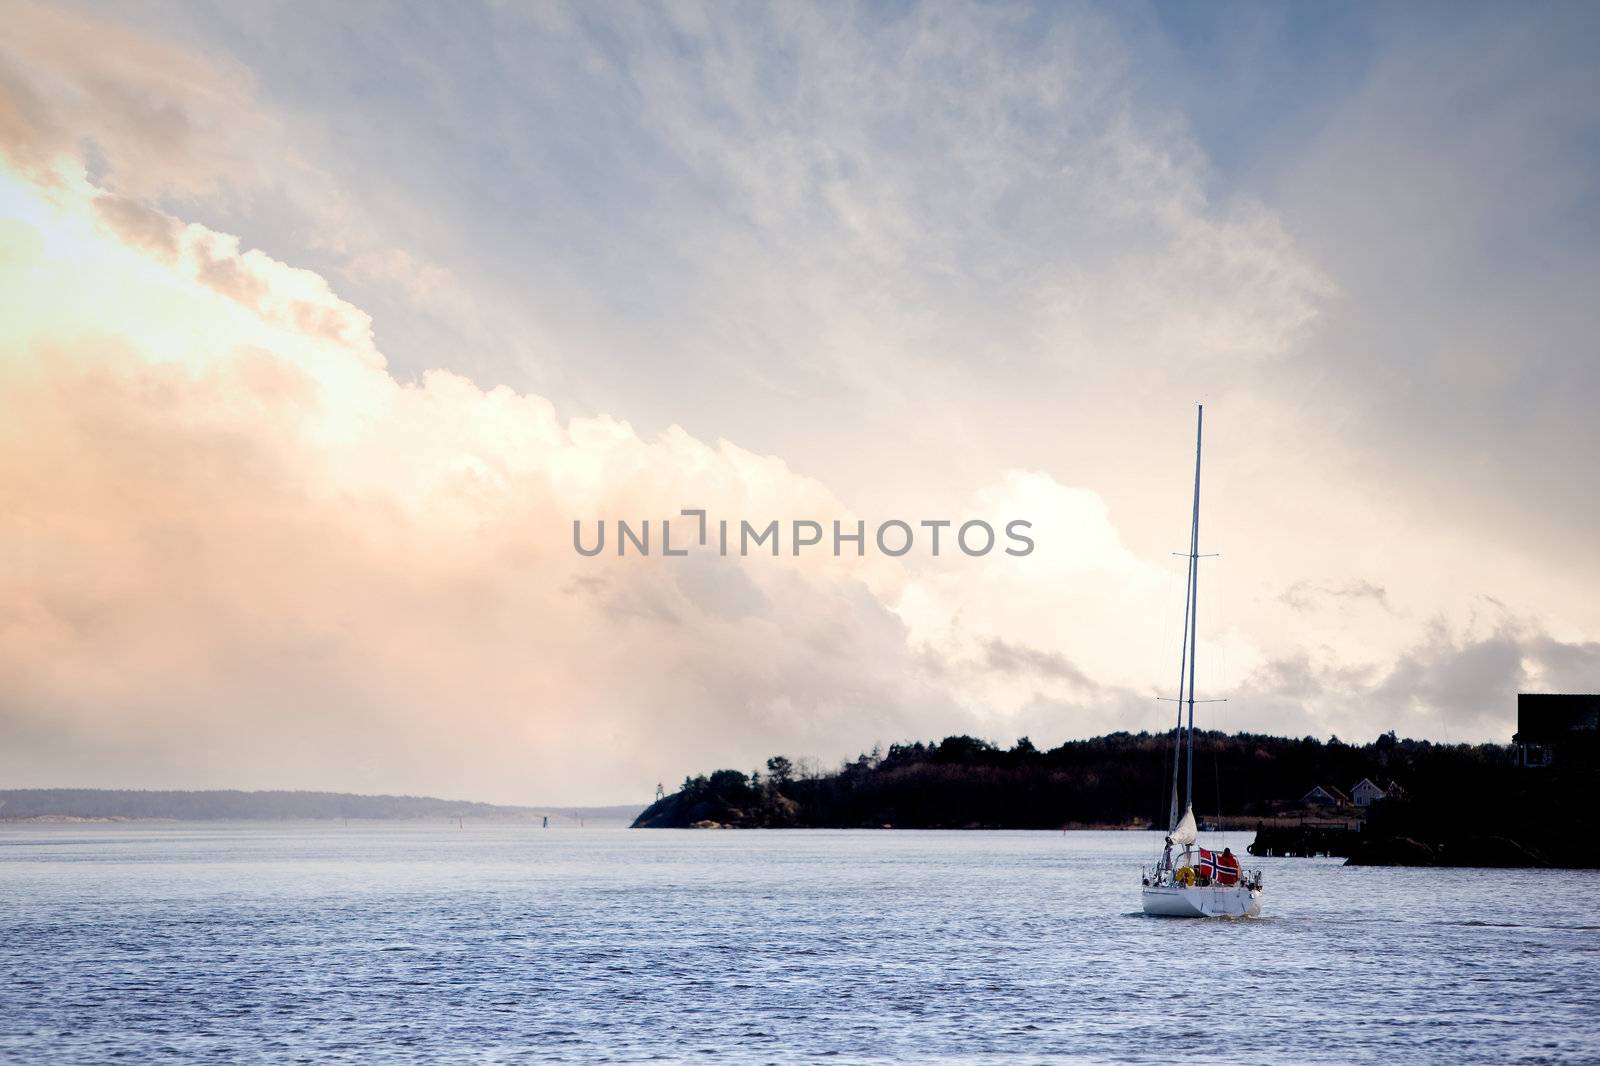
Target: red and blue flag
(1223,869)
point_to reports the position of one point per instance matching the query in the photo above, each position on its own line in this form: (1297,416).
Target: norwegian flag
(1223,869)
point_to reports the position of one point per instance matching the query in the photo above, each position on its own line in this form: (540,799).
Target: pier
(1303,840)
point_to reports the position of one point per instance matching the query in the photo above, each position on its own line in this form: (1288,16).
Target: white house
(1365,793)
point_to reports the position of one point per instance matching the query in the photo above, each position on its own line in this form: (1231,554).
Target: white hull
(1213,901)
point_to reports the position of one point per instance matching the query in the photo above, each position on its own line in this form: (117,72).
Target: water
(409,943)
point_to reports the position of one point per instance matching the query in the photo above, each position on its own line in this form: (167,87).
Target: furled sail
(1185,832)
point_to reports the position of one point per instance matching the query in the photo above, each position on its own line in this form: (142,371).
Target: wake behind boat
(1191,881)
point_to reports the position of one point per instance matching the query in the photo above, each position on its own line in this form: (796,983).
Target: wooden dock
(1307,839)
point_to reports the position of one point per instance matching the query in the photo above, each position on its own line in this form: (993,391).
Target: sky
(321,325)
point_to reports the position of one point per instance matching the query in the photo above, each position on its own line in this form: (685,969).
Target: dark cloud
(1297,677)
(1304,595)
(1006,657)
(141,226)
(1566,667)
(1449,685)
(1469,685)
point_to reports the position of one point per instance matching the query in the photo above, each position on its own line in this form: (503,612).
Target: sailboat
(1190,881)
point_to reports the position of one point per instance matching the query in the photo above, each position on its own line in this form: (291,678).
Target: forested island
(1444,805)
(102,804)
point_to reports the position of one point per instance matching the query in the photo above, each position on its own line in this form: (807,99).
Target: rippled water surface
(490,944)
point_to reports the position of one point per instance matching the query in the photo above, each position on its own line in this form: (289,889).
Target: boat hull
(1213,901)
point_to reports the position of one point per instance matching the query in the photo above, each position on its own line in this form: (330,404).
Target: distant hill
(1119,779)
(232,805)
(1448,804)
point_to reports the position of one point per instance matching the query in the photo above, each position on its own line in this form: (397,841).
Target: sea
(485,943)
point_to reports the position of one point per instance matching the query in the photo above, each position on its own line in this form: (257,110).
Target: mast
(1192,623)
(1183,665)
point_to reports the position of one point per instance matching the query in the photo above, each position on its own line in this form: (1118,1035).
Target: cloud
(158,119)
(252,556)
(903,162)
(1453,202)
(155,125)
(1453,682)
(141,226)
(1467,680)
(248,556)
(1305,595)
(938,263)
(1010,658)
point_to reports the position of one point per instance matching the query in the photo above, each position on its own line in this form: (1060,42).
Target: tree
(728,782)
(780,770)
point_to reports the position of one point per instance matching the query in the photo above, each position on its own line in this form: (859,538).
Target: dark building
(1557,728)
(1324,796)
